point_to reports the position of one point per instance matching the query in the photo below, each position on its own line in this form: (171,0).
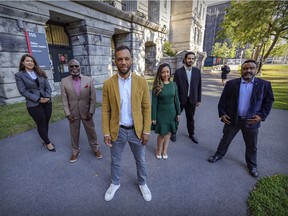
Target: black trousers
(250,136)
(41,115)
(189,111)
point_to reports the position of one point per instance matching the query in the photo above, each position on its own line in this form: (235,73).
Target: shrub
(168,49)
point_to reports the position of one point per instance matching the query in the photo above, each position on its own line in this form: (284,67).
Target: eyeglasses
(74,66)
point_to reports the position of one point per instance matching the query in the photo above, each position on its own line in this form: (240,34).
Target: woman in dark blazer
(32,83)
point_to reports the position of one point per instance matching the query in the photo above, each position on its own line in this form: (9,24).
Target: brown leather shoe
(74,157)
(98,154)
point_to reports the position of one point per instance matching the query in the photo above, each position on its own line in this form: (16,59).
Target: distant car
(269,60)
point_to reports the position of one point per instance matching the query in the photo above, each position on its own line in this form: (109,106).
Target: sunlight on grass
(15,119)
(278,76)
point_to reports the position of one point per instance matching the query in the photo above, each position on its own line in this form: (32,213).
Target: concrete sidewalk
(34,181)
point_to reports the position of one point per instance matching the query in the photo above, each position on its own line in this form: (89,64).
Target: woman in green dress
(165,109)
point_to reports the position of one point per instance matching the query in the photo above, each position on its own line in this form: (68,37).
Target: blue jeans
(138,150)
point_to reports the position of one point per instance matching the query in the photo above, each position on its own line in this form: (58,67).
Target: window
(165,4)
(56,34)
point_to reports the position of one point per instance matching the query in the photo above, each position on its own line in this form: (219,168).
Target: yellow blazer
(141,107)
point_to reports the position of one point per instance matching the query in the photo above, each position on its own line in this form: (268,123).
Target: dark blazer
(29,89)
(260,103)
(180,78)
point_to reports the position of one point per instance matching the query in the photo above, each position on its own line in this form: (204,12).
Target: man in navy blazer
(244,103)
(188,81)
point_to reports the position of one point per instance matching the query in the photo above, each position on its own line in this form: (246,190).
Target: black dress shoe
(253,172)
(213,159)
(51,149)
(173,137)
(193,138)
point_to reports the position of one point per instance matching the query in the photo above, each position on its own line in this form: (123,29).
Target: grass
(15,119)
(269,196)
(278,75)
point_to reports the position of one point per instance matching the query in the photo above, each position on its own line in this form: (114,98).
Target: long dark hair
(36,68)
(158,82)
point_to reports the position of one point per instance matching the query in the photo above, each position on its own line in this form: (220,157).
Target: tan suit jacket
(78,105)
(141,107)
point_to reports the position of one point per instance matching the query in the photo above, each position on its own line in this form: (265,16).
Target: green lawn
(278,75)
(269,197)
(15,119)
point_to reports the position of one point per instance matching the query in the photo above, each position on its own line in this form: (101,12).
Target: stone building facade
(187,25)
(214,19)
(89,31)
(186,33)
(86,30)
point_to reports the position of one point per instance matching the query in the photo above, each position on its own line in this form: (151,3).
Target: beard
(248,76)
(188,64)
(123,72)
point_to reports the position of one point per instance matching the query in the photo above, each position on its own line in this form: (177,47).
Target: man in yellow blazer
(126,117)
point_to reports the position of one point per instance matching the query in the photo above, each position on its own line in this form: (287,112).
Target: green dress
(165,108)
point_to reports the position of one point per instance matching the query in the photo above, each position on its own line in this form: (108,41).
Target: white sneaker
(145,192)
(111,191)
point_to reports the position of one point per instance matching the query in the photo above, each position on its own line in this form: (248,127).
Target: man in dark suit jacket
(188,81)
(244,103)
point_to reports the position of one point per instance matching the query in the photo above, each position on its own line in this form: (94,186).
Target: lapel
(237,90)
(184,74)
(134,85)
(26,75)
(254,91)
(115,86)
(82,84)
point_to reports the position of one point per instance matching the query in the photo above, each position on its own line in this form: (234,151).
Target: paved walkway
(36,182)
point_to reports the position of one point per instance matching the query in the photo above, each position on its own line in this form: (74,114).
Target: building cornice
(130,17)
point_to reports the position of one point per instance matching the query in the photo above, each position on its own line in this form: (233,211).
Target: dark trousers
(41,115)
(189,111)
(250,136)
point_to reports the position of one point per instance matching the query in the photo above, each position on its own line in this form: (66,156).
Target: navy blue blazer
(29,89)
(260,103)
(180,78)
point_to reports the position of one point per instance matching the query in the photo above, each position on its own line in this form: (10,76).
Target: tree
(223,50)
(280,49)
(168,49)
(258,23)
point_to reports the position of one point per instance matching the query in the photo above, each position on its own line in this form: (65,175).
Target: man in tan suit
(126,117)
(79,103)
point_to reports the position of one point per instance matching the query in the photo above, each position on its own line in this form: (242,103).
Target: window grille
(56,35)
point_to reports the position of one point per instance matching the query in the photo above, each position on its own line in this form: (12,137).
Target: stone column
(138,49)
(92,48)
